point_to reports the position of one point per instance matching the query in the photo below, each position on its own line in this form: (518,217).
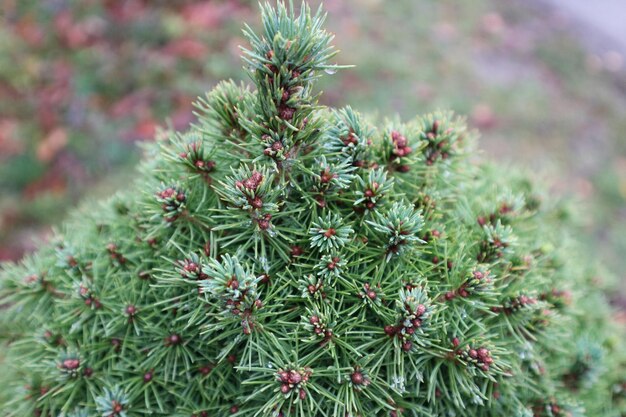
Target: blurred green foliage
(82,81)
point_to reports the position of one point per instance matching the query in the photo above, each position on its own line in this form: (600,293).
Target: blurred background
(82,81)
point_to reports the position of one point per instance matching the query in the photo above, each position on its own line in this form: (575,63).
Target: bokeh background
(83,81)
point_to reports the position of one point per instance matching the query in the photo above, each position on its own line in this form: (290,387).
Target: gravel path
(601,23)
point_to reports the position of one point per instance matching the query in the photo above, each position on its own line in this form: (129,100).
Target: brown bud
(407,346)
(357,378)
(390,330)
(71,364)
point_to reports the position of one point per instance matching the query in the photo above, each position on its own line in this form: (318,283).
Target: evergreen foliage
(287,259)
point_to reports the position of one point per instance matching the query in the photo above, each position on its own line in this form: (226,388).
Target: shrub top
(282,258)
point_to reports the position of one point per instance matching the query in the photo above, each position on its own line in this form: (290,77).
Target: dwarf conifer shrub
(282,258)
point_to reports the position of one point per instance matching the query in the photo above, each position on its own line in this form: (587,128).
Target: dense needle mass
(283,258)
